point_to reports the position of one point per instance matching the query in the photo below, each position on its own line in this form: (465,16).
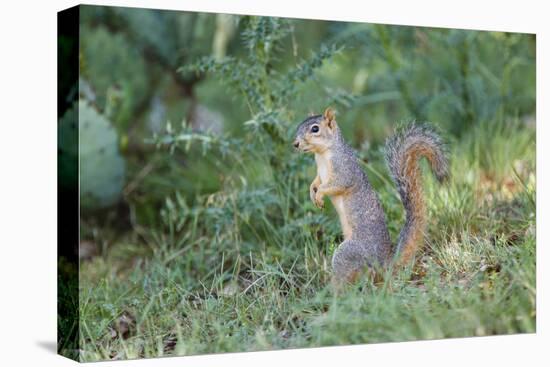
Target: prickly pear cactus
(101,165)
(67,149)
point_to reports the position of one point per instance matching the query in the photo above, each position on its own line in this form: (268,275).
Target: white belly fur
(323,162)
(338,202)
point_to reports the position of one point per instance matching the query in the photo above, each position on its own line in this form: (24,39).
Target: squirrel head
(317,133)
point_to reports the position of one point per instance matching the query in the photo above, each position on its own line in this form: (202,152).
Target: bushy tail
(403,152)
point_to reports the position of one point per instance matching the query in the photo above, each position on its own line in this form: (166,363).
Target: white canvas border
(28,156)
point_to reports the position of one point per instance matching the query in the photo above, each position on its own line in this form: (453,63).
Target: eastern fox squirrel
(366,239)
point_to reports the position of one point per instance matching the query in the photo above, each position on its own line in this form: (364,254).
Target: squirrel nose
(296,144)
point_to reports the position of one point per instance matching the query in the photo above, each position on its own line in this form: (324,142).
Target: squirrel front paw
(315,196)
(318,199)
(312,192)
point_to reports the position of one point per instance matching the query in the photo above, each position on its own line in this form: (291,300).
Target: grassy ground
(223,278)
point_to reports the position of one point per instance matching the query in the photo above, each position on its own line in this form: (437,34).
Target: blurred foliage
(247,81)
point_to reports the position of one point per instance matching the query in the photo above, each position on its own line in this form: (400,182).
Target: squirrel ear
(329,114)
(329,117)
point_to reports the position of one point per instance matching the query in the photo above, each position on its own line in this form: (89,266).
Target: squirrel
(367,241)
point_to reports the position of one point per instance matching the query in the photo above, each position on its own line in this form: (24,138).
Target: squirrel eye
(315,128)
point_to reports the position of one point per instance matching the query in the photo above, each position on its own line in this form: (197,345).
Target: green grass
(248,268)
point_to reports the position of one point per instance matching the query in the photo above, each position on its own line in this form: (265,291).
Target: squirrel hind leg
(348,263)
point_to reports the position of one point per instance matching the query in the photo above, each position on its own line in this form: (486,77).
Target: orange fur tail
(403,152)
